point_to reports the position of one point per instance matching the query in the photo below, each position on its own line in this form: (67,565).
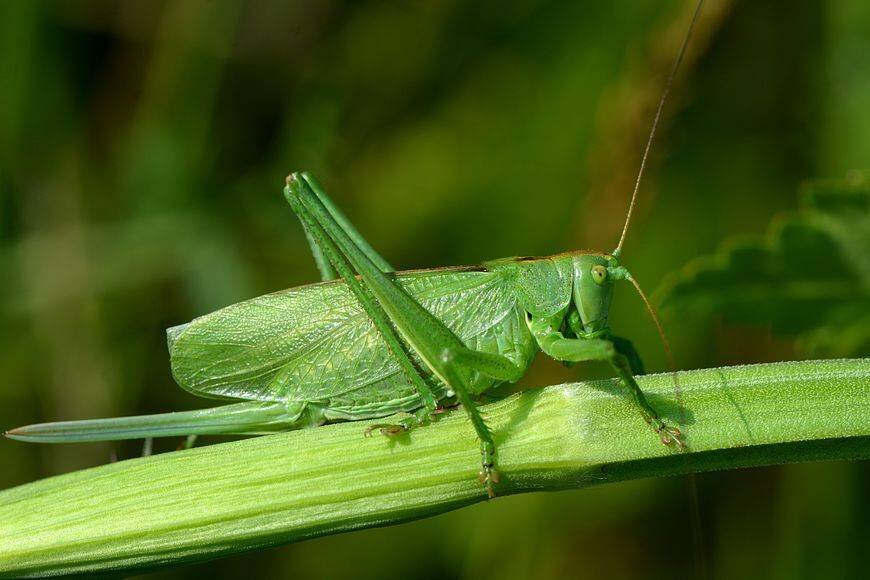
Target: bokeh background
(142,150)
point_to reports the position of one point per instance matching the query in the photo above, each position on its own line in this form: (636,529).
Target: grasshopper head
(594,275)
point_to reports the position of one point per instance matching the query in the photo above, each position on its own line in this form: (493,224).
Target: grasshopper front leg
(626,348)
(391,306)
(555,345)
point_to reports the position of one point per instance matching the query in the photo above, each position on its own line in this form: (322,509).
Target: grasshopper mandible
(369,342)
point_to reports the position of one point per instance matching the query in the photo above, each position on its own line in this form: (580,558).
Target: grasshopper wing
(316,344)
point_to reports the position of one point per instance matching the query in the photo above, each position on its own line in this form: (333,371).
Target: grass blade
(221,499)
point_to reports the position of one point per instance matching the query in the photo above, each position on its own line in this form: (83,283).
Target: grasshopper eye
(599,274)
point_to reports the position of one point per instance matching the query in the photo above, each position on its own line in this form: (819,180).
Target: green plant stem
(216,500)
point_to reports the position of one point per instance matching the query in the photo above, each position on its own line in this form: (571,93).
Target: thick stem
(217,500)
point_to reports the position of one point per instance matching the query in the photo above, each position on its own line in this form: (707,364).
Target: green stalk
(221,499)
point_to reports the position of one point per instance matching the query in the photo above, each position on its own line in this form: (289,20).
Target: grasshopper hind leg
(394,311)
(327,271)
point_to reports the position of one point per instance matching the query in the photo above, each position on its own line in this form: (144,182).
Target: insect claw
(671,436)
(388,429)
(489,477)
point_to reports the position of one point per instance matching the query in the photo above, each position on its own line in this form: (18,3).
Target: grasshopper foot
(387,429)
(488,475)
(671,436)
(403,423)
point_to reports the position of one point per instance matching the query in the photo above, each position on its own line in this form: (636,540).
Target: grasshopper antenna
(694,506)
(655,125)
(665,344)
(655,318)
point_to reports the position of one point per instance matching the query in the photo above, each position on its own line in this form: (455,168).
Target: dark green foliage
(808,278)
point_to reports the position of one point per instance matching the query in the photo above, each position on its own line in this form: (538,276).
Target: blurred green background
(142,151)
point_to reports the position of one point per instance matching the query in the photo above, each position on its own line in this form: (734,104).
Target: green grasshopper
(369,342)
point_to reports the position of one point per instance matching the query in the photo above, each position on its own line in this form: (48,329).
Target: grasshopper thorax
(577,285)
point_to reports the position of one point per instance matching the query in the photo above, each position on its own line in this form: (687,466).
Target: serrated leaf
(808,278)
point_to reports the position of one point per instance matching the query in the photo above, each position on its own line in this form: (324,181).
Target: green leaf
(227,498)
(808,278)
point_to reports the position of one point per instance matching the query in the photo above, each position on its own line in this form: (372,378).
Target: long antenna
(694,508)
(655,318)
(652,133)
